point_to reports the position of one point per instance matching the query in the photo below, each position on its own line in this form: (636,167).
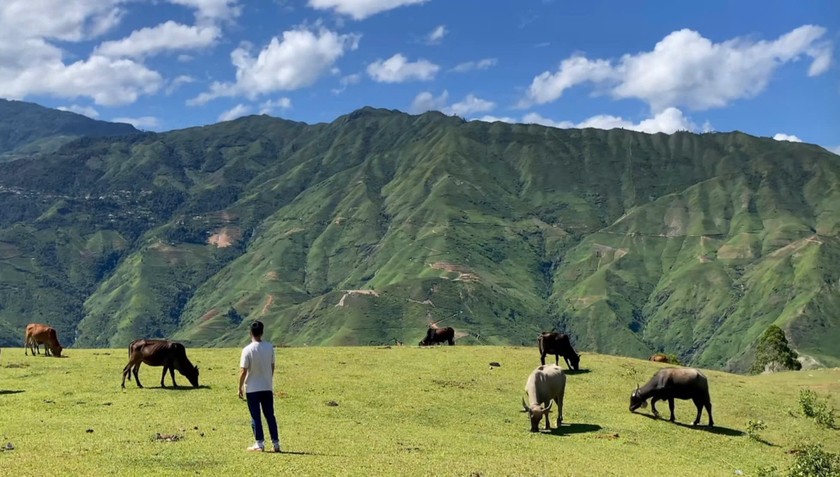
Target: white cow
(545,386)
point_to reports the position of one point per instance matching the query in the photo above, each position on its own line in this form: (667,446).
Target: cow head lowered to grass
(545,386)
(169,354)
(674,383)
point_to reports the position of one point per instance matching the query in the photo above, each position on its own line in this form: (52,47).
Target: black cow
(558,344)
(438,336)
(169,354)
(675,383)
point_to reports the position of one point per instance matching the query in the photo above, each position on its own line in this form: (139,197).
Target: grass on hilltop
(400,411)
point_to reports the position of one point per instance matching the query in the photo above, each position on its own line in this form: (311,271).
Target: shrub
(812,461)
(754,427)
(819,410)
(807,402)
(773,349)
(767,471)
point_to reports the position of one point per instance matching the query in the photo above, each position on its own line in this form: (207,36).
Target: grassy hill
(401,410)
(28,129)
(364,230)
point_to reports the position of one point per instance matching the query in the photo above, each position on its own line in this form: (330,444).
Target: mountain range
(367,229)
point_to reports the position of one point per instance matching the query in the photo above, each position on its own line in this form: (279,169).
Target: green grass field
(401,411)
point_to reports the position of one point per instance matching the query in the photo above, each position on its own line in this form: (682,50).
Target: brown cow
(558,344)
(658,358)
(438,336)
(169,354)
(37,334)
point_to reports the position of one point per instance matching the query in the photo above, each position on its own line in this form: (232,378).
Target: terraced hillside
(365,229)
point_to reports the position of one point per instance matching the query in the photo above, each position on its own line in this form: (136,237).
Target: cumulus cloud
(436,36)
(144,122)
(78,20)
(268,107)
(786,137)
(398,69)
(426,101)
(83,110)
(211,11)
(164,37)
(361,9)
(668,121)
(471,104)
(475,65)
(686,69)
(293,62)
(493,119)
(235,112)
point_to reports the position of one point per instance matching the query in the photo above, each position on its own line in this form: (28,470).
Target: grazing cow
(37,334)
(659,358)
(558,344)
(438,336)
(169,354)
(675,383)
(545,386)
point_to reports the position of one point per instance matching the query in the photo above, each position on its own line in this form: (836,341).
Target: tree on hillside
(773,349)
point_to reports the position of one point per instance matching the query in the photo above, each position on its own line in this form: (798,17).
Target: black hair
(257,328)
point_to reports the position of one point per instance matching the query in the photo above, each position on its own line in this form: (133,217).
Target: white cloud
(435,36)
(686,69)
(475,65)
(493,119)
(211,11)
(398,69)
(426,101)
(835,150)
(177,82)
(58,19)
(235,112)
(83,110)
(164,37)
(293,62)
(668,121)
(347,81)
(270,106)
(786,137)
(144,122)
(471,105)
(360,9)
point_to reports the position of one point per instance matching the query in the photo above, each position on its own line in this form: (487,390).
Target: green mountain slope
(27,129)
(366,229)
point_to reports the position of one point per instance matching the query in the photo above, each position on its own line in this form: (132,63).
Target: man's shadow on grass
(10,391)
(723,431)
(315,454)
(572,428)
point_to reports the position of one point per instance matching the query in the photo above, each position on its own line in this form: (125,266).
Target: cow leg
(557,359)
(559,411)
(136,377)
(548,421)
(699,404)
(709,412)
(162,376)
(172,374)
(126,372)
(542,358)
(653,406)
(671,408)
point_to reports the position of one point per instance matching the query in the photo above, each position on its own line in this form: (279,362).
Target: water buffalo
(438,336)
(37,334)
(545,386)
(169,354)
(558,344)
(675,383)
(659,358)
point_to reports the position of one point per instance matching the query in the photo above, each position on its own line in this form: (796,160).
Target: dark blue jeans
(264,399)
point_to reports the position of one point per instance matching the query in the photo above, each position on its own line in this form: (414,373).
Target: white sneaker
(256,448)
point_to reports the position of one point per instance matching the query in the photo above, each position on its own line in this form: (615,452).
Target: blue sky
(767,67)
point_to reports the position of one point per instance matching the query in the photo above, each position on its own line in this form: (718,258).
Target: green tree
(773,347)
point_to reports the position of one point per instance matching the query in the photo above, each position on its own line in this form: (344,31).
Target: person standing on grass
(256,385)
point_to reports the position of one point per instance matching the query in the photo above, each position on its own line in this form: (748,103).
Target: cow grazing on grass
(169,354)
(558,344)
(675,383)
(438,336)
(38,334)
(659,358)
(545,386)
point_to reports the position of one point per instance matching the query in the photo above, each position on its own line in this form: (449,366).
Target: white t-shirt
(257,358)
